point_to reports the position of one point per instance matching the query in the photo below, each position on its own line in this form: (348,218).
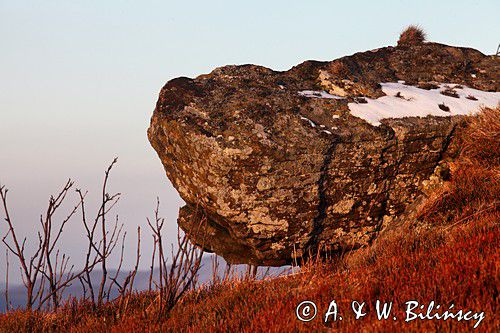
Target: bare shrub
(126,287)
(181,275)
(101,239)
(47,272)
(45,275)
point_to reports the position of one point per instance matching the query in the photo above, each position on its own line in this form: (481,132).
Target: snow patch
(318,94)
(421,103)
(309,120)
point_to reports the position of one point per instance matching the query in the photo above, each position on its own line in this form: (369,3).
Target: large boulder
(276,165)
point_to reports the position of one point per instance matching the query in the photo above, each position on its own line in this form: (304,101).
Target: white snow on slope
(418,102)
(318,94)
(309,120)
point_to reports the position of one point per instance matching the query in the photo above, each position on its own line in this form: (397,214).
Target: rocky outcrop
(277,166)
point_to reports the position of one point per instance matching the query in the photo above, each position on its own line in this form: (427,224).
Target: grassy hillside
(447,254)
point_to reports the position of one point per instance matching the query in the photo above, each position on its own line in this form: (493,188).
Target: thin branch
(7,280)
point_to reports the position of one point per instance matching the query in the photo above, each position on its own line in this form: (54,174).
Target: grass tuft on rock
(412,35)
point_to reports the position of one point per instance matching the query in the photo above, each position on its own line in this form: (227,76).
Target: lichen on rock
(276,174)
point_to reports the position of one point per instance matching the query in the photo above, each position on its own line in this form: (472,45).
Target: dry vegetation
(339,69)
(412,35)
(450,256)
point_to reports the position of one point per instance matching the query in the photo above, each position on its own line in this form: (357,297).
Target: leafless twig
(47,273)
(182,275)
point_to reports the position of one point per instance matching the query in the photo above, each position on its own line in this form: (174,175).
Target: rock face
(275,170)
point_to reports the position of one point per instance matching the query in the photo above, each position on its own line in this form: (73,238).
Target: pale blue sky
(79,80)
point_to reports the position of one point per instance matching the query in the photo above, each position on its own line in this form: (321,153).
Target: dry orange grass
(482,139)
(412,35)
(475,185)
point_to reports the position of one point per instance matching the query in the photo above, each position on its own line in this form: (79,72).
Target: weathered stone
(276,174)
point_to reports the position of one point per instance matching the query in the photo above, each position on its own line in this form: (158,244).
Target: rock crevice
(322,197)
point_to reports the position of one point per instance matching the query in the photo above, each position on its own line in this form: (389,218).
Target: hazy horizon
(79,83)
